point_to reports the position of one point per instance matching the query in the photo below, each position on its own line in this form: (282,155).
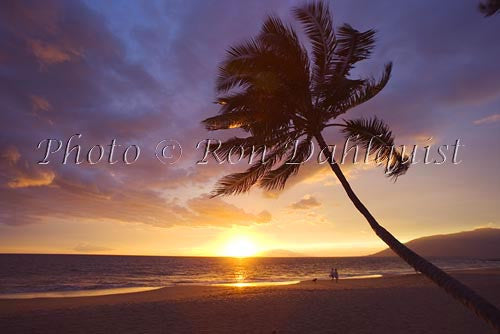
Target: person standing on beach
(332,274)
(336,275)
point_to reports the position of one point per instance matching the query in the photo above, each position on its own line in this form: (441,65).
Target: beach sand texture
(399,304)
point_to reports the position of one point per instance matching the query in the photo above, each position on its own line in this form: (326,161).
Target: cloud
(307,202)
(270,194)
(487,225)
(63,58)
(38,180)
(17,173)
(67,199)
(90,248)
(39,103)
(11,155)
(151,76)
(488,119)
(31,194)
(214,211)
(52,54)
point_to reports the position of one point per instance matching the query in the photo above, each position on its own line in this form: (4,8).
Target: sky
(141,72)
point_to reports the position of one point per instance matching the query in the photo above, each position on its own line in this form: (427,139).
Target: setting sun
(240,247)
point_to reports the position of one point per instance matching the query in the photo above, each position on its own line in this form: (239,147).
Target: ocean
(29,275)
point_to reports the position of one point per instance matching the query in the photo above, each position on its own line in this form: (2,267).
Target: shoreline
(251,284)
(393,304)
(125,290)
(74,293)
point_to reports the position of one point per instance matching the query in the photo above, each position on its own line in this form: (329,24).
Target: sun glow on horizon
(240,247)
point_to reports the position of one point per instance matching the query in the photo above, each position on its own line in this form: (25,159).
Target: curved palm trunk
(461,292)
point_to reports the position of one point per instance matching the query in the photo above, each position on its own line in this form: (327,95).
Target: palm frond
(229,121)
(360,93)
(237,183)
(283,41)
(226,147)
(242,62)
(275,147)
(227,80)
(233,102)
(362,131)
(317,22)
(376,137)
(253,112)
(352,47)
(336,93)
(489,7)
(272,76)
(293,65)
(276,179)
(397,165)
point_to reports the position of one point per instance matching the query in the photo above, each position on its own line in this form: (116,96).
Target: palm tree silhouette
(269,87)
(489,7)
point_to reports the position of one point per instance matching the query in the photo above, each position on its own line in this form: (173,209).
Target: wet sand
(399,304)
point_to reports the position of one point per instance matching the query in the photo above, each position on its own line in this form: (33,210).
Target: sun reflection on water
(257,284)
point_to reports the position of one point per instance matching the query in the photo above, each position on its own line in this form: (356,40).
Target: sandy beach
(399,304)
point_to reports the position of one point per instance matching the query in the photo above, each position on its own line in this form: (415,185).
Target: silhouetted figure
(336,275)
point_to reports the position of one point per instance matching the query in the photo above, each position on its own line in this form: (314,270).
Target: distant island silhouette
(483,243)
(280,253)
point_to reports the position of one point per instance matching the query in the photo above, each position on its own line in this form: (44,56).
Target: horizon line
(193,256)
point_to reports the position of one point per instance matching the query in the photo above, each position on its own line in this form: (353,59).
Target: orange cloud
(90,248)
(37,180)
(270,194)
(39,103)
(20,174)
(48,54)
(11,155)
(218,212)
(488,119)
(307,202)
